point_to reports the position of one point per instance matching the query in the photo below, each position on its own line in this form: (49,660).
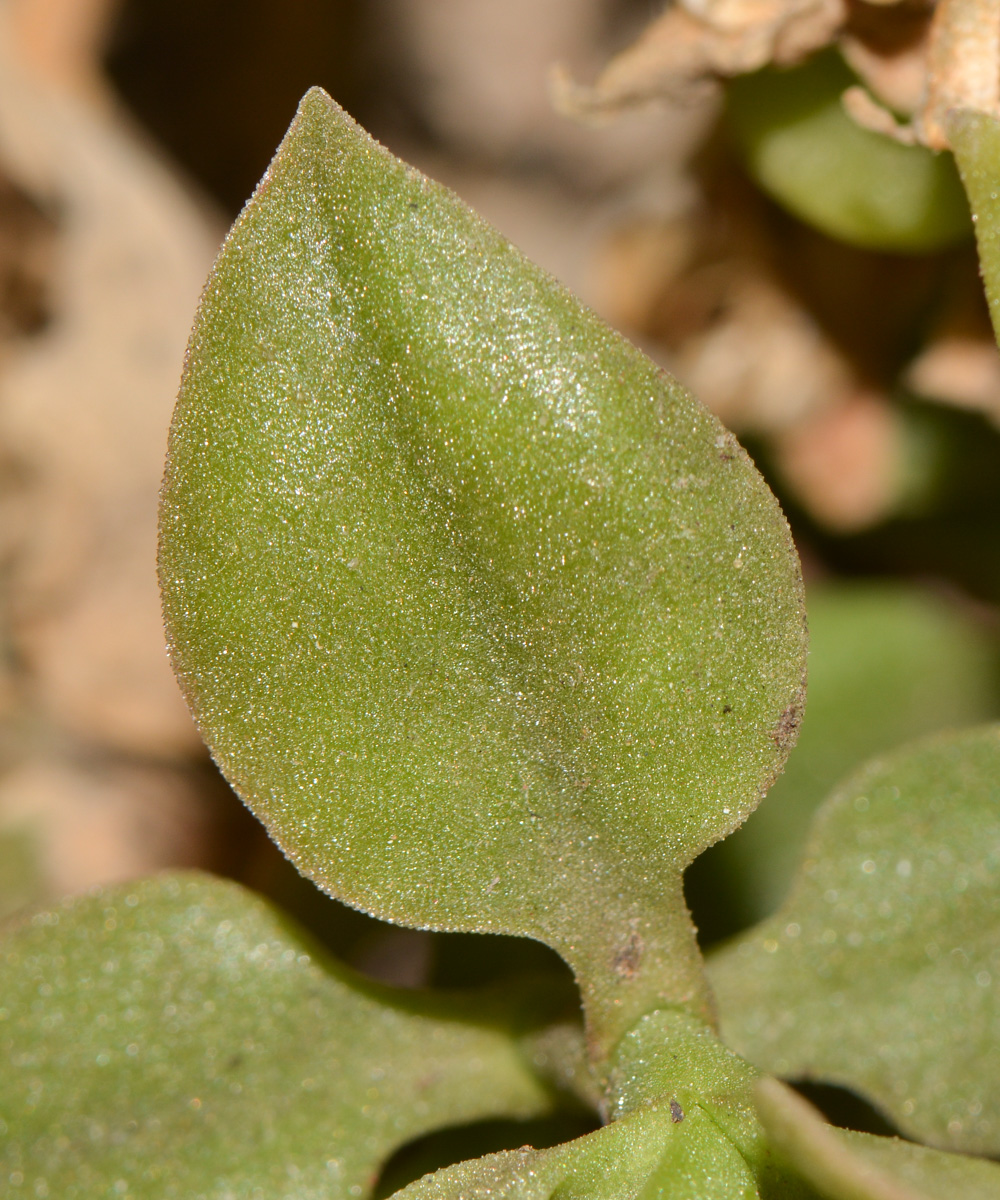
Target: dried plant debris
(915,59)
(102,255)
(887,50)
(84,407)
(729,303)
(28,239)
(963,50)
(478,84)
(689,45)
(95,824)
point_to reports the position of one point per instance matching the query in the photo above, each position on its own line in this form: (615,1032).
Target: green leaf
(649,1155)
(843,1165)
(975,139)
(881,972)
(888,663)
(669,1057)
(670,1054)
(491,623)
(461,1143)
(683,1127)
(177,1037)
(855,185)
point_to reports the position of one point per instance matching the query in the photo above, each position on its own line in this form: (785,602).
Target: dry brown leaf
(864,110)
(923,60)
(919,57)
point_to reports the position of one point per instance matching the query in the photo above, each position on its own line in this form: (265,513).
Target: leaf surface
(683,1127)
(881,972)
(975,139)
(177,1037)
(648,1155)
(491,623)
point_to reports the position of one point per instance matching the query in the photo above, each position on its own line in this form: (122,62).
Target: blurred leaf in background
(888,663)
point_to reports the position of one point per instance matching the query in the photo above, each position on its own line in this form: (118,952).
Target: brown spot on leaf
(626,961)
(676,1112)
(786,731)
(726,446)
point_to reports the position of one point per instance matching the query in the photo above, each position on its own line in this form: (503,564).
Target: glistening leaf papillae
(493,625)
(881,972)
(683,1127)
(671,1057)
(178,1035)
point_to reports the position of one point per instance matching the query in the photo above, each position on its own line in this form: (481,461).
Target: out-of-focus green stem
(975,139)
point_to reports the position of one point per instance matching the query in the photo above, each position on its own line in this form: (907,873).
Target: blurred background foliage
(814,282)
